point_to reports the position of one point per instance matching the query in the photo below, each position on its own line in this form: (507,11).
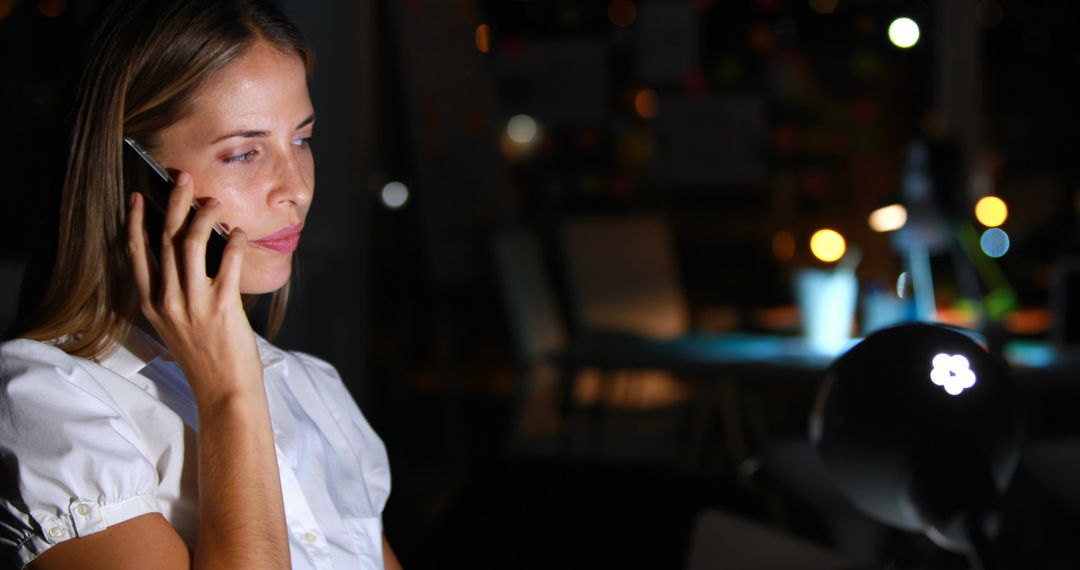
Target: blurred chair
(545,403)
(622,276)
(536,330)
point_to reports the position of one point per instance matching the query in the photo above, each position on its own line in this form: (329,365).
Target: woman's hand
(201,320)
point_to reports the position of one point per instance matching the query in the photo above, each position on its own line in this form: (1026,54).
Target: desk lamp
(919,427)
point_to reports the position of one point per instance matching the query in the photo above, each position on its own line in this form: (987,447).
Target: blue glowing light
(994,242)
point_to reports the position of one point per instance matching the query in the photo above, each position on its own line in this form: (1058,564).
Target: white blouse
(85,445)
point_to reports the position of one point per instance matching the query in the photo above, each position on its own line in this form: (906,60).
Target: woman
(145,425)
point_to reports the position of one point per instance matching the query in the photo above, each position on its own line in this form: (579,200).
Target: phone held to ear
(144,175)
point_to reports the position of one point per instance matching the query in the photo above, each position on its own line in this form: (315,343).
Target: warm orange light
(828,245)
(991,211)
(483,38)
(622,13)
(645,103)
(783,245)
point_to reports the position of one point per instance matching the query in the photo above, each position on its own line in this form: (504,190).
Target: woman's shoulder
(22,356)
(36,375)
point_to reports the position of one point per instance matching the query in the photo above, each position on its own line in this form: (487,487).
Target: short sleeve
(70,463)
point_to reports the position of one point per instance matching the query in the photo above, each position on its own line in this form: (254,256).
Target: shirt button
(56,532)
(83,509)
(310,537)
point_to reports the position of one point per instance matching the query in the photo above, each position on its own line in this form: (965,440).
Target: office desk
(728,369)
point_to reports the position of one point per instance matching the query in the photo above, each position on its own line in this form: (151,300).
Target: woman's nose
(295,181)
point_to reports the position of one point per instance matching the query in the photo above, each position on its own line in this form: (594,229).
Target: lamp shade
(920,428)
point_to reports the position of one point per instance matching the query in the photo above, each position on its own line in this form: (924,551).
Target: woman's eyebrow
(253,134)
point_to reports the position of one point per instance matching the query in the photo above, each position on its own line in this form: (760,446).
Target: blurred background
(566,254)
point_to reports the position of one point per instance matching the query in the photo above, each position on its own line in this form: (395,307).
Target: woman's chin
(257,281)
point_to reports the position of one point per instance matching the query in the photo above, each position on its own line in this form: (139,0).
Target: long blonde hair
(148,60)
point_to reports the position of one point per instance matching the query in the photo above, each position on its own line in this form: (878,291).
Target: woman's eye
(303,141)
(242,157)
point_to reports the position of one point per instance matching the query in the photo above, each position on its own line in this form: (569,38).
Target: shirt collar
(132,355)
(140,349)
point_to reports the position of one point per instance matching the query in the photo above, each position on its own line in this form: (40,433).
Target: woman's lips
(283,241)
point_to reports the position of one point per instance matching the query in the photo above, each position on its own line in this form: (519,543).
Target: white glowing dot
(952,372)
(522,129)
(994,242)
(395,195)
(888,219)
(904,32)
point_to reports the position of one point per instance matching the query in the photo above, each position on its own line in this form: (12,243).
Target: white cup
(827,306)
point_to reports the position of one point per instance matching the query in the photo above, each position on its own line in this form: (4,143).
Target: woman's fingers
(228,277)
(139,251)
(175,220)
(198,233)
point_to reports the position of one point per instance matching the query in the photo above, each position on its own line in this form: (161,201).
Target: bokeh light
(902,285)
(645,103)
(889,218)
(904,32)
(622,13)
(994,242)
(783,245)
(991,211)
(522,129)
(483,38)
(394,195)
(828,245)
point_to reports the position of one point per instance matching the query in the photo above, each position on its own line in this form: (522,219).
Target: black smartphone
(144,175)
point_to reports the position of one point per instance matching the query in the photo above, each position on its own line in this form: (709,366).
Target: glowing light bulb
(904,32)
(888,219)
(952,372)
(395,195)
(994,242)
(522,129)
(991,211)
(827,245)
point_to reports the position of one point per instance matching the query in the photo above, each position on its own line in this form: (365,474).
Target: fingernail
(182,179)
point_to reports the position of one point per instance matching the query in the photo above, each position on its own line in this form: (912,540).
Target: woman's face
(246,143)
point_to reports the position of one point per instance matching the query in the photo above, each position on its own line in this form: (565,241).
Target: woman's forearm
(242,518)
